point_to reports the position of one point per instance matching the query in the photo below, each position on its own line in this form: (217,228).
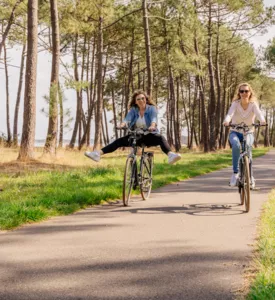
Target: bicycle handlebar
(135,131)
(244,126)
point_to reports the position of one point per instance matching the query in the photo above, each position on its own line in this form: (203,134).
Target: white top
(140,123)
(238,115)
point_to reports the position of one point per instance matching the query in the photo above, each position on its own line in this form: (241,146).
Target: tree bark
(212,96)
(28,131)
(114,111)
(7,97)
(99,106)
(77,116)
(148,49)
(61,116)
(18,98)
(51,140)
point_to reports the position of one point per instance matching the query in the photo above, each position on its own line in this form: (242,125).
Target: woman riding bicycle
(142,114)
(244,109)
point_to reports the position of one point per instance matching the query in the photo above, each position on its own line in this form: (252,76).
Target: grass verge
(37,195)
(263,286)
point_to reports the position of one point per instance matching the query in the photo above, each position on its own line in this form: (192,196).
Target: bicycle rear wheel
(146,172)
(129,179)
(246,184)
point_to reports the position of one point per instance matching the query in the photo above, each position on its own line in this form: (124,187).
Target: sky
(43,82)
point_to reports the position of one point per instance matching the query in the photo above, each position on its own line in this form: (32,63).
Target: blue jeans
(235,139)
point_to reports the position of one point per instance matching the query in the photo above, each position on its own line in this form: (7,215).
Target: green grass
(35,196)
(263,286)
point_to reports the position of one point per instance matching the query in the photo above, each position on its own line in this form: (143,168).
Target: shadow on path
(196,209)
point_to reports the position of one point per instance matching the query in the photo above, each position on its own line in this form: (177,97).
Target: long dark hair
(149,101)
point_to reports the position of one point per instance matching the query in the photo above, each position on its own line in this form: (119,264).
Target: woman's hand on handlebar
(122,126)
(226,124)
(153,127)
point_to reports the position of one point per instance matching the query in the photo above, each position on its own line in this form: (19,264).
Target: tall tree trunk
(7,97)
(130,73)
(99,106)
(204,123)
(87,130)
(177,115)
(218,126)
(28,130)
(212,96)
(51,140)
(114,111)
(221,140)
(266,135)
(185,114)
(61,114)
(148,49)
(103,136)
(77,116)
(106,125)
(18,98)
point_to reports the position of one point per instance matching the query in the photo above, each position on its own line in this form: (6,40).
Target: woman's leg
(157,139)
(234,139)
(249,142)
(121,142)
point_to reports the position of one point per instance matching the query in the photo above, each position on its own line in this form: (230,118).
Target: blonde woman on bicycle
(142,114)
(244,109)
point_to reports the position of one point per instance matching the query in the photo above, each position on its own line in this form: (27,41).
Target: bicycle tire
(128,181)
(146,180)
(246,184)
(241,189)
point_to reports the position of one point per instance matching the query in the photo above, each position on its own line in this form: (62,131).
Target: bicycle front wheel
(129,179)
(146,180)
(241,187)
(246,184)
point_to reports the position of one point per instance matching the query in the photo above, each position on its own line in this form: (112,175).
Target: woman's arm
(258,114)
(230,113)
(154,115)
(129,117)
(154,118)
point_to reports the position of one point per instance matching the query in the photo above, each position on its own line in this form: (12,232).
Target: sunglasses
(244,91)
(142,98)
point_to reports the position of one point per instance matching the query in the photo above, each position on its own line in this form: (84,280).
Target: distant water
(41,143)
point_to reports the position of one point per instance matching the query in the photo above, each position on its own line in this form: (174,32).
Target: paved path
(191,240)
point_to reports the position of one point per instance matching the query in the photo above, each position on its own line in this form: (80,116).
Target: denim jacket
(150,116)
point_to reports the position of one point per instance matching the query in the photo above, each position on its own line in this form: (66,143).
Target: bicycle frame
(245,166)
(141,176)
(134,146)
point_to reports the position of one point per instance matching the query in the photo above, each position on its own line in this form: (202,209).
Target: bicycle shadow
(196,209)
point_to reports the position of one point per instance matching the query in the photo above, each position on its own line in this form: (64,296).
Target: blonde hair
(252,97)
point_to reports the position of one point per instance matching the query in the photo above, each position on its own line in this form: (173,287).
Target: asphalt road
(190,240)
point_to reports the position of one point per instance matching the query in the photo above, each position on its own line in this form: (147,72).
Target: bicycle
(137,177)
(245,166)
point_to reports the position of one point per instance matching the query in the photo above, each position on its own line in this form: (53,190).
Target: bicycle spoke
(129,178)
(146,177)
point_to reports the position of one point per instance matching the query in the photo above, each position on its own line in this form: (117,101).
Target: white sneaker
(94,155)
(252,183)
(233,180)
(173,157)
